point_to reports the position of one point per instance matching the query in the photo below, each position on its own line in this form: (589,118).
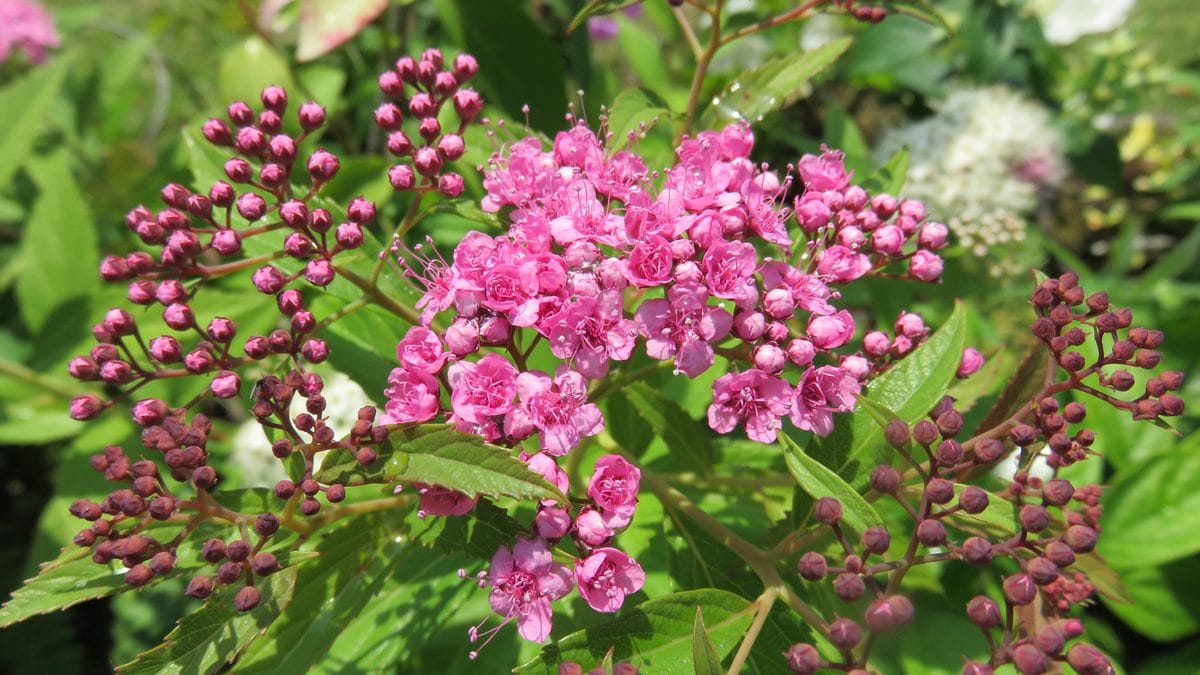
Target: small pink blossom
(753,398)
(559,408)
(591,332)
(841,265)
(552,522)
(525,580)
(971,362)
(482,389)
(925,266)
(826,172)
(439,501)
(649,263)
(831,331)
(421,349)
(683,327)
(412,396)
(729,268)
(606,576)
(590,527)
(614,487)
(27,26)
(820,393)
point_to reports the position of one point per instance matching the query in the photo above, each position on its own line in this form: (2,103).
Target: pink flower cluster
(27,26)
(597,256)
(525,579)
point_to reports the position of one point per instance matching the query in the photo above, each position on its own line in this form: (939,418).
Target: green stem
(702,64)
(764,603)
(35,378)
(390,304)
(410,219)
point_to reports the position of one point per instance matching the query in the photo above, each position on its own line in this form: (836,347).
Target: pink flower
(420,349)
(606,576)
(925,266)
(888,240)
(911,326)
(729,268)
(971,362)
(591,332)
(590,527)
(683,327)
(826,172)
(831,331)
(649,262)
(439,501)
(753,398)
(552,522)
(808,291)
(483,389)
(578,148)
(511,290)
(614,487)
(545,465)
(27,26)
(412,396)
(524,582)
(841,265)
(820,393)
(559,408)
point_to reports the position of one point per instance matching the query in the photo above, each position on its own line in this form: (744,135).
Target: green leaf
(476,535)
(881,414)
(633,111)
(772,86)
(597,7)
(1178,260)
(327,24)
(920,9)
(909,389)
(1152,510)
(355,560)
(818,481)
(655,636)
(250,66)
(68,580)
(523,69)
(24,107)
(469,210)
(439,454)
(215,634)
(1162,606)
(704,655)
(59,253)
(891,176)
(689,442)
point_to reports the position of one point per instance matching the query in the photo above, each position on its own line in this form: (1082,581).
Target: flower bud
(1081,538)
(803,659)
(467,104)
(451,147)
(1034,518)
(265,564)
(812,566)
(251,207)
(217,132)
(931,532)
(769,358)
(1020,589)
(1042,571)
(227,242)
(1087,660)
(1029,660)
(977,551)
(247,599)
(884,479)
(983,612)
(311,116)
(876,540)
(86,407)
(199,588)
(988,450)
(828,510)
(138,576)
(402,177)
(844,634)
(939,491)
(849,587)
(323,165)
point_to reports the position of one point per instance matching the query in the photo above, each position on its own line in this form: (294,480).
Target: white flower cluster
(978,165)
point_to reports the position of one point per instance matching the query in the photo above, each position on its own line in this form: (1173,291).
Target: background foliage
(96,129)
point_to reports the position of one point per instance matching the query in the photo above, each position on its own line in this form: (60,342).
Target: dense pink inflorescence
(26,26)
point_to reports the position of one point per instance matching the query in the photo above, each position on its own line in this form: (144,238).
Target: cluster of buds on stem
(1055,523)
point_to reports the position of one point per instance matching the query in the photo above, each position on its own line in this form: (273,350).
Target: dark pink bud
(406,69)
(251,206)
(429,128)
(977,551)
(391,84)
(323,165)
(275,98)
(884,479)
(119,322)
(171,219)
(303,321)
(349,235)
(86,407)
(273,175)
(238,170)
(1034,517)
(221,193)
(114,268)
(803,659)
(198,361)
(931,532)
(257,347)
(360,210)
(828,510)
(320,220)
(149,411)
(427,162)
(844,633)
(240,113)
(388,116)
(939,491)
(298,245)
(175,195)
(227,242)
(199,206)
(426,73)
(314,351)
(116,372)
(983,612)
(268,279)
(270,122)
(247,599)
(465,67)
(83,368)
(178,316)
(311,116)
(217,132)
(165,349)
(467,103)
(451,184)
(1020,589)
(319,272)
(495,330)
(280,342)
(399,144)
(1087,660)
(290,301)
(402,177)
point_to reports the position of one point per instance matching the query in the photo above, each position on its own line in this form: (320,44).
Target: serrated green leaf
(689,442)
(476,535)
(1152,510)
(633,110)
(655,636)
(217,633)
(772,86)
(439,454)
(23,111)
(818,481)
(68,580)
(596,8)
(909,389)
(704,655)
(49,279)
